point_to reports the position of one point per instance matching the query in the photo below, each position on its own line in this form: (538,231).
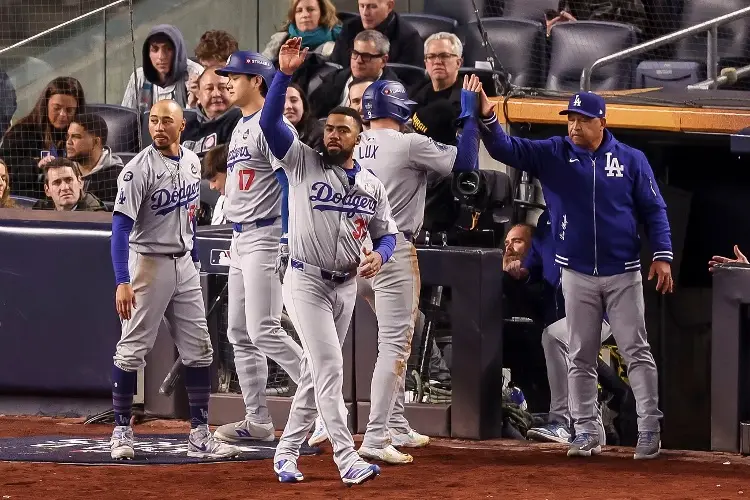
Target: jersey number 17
(246,176)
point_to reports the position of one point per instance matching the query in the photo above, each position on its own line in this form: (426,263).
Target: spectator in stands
(405,43)
(8,103)
(297,111)
(443,56)
(5,200)
(357,89)
(86,146)
(64,187)
(368,60)
(517,245)
(215,172)
(739,258)
(215,47)
(314,21)
(42,133)
(216,120)
(621,11)
(165,73)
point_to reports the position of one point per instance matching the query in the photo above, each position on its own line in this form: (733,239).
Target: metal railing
(712,58)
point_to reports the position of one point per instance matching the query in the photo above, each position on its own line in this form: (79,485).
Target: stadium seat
(23,201)
(667,74)
(126,157)
(734,38)
(122,125)
(506,36)
(317,79)
(574,46)
(191,120)
(345,16)
(426,24)
(485,76)
(409,75)
(460,10)
(528,9)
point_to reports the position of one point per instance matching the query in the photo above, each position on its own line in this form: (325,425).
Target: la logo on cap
(577,101)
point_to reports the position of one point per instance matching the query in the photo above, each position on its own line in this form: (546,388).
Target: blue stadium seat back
(574,46)
(529,9)
(191,121)
(667,74)
(527,67)
(409,75)
(427,24)
(460,10)
(734,37)
(122,126)
(320,74)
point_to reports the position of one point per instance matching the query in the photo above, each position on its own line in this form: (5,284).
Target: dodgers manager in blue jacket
(605,188)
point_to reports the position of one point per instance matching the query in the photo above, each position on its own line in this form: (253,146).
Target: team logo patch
(439,145)
(369,188)
(220,257)
(128,176)
(246,134)
(194,169)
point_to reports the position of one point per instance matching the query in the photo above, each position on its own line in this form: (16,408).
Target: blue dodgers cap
(587,104)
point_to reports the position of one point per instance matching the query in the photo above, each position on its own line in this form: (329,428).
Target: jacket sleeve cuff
(665,255)
(490,119)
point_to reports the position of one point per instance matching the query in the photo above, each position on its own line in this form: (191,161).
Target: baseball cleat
(389,455)
(245,430)
(201,444)
(319,435)
(121,442)
(648,446)
(287,472)
(554,432)
(360,472)
(411,439)
(585,445)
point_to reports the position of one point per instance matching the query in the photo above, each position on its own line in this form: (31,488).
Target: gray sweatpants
(586,300)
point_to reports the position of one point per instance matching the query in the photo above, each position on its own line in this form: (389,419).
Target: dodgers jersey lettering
(403,162)
(252,191)
(162,196)
(328,220)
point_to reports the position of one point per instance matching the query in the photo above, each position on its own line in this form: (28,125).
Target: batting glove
(282,258)
(197,264)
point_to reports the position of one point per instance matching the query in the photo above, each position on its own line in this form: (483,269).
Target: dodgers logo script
(165,201)
(351,204)
(237,155)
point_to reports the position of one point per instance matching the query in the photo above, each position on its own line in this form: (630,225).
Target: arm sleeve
(131,188)
(523,154)
(430,155)
(284,183)
(122,225)
(385,245)
(653,211)
(533,261)
(467,157)
(194,250)
(382,222)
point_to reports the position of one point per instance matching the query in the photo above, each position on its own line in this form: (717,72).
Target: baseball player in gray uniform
(155,259)
(333,205)
(253,201)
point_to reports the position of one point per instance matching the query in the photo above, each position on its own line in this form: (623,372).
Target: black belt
(178,255)
(240,227)
(332,276)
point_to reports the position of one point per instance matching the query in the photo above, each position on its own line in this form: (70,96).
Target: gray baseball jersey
(252,191)
(162,196)
(402,162)
(329,219)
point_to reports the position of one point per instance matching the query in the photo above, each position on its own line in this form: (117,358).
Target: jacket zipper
(596,256)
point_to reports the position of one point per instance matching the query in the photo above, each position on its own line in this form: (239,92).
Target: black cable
(501,87)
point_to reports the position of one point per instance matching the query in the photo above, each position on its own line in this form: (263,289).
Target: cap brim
(227,70)
(580,112)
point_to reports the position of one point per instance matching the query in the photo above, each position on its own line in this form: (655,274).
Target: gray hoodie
(144,88)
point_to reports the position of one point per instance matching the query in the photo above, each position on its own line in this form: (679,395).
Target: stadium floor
(447,469)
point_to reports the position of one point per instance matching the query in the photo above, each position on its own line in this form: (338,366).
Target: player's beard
(337,158)
(509,257)
(82,158)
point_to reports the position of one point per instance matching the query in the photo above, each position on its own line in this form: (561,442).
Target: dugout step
(433,420)
(227,408)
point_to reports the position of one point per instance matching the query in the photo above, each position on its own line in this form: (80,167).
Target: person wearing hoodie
(165,73)
(604,189)
(86,145)
(216,119)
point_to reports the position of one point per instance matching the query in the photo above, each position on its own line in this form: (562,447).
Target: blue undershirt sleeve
(122,225)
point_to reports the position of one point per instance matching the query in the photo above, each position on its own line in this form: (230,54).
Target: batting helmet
(244,62)
(386,99)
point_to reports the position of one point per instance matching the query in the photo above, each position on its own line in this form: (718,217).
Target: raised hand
(472,83)
(291,55)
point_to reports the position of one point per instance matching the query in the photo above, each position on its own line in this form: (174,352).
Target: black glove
(282,261)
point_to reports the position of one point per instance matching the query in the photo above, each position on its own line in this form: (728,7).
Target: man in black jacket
(406,44)
(368,60)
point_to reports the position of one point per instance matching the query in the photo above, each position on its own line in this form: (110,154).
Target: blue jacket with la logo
(601,198)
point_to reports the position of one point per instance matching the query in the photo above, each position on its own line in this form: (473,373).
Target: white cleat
(319,435)
(121,443)
(389,455)
(360,472)
(201,444)
(411,439)
(244,431)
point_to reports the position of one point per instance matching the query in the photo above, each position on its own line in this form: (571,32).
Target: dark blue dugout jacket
(602,197)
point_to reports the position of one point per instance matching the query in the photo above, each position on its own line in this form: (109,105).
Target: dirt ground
(446,469)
